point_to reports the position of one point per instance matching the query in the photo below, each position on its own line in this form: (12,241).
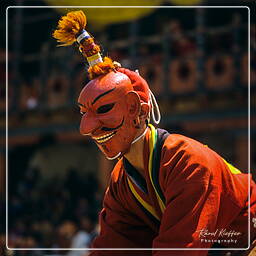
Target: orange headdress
(71,28)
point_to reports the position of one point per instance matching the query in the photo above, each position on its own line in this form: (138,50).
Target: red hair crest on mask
(138,83)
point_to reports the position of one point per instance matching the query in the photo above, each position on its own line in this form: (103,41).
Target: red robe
(204,202)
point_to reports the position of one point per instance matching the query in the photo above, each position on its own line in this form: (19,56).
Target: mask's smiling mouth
(105,137)
(108,136)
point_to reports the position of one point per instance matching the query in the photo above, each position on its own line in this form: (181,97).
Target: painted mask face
(109,105)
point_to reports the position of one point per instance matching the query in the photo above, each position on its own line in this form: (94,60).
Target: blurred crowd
(53,215)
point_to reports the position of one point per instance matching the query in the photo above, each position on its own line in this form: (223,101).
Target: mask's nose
(89,123)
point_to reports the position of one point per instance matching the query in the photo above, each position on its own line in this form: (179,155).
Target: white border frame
(129,249)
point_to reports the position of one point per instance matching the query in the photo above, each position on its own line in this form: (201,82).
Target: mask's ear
(144,112)
(133,104)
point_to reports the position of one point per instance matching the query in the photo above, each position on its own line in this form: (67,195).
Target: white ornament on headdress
(83,35)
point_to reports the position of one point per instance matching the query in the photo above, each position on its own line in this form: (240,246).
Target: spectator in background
(82,236)
(181,44)
(65,232)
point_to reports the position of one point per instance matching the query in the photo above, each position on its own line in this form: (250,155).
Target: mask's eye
(105,108)
(82,112)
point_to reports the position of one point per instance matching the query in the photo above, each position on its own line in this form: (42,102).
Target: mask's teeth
(104,138)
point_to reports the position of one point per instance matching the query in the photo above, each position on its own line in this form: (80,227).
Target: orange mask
(110,104)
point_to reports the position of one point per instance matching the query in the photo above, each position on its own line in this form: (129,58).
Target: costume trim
(135,176)
(161,136)
(232,168)
(139,198)
(156,141)
(152,150)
